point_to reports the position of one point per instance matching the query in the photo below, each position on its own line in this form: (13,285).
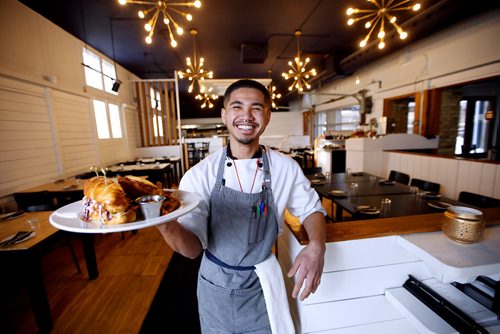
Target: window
(99,73)
(473,129)
(345,119)
(107,117)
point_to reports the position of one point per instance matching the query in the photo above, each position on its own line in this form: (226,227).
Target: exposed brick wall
(450,110)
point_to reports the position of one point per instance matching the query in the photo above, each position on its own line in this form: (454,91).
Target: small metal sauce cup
(150,205)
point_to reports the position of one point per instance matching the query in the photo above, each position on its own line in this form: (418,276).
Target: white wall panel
(74,130)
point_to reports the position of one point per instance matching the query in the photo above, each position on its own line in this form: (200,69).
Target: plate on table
(439,205)
(431,195)
(68,217)
(387,182)
(11,215)
(319,176)
(368,211)
(338,193)
(358,174)
(317,182)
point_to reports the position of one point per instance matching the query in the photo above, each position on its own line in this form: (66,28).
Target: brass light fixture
(153,14)
(207,97)
(274,94)
(298,71)
(195,71)
(273,91)
(380,15)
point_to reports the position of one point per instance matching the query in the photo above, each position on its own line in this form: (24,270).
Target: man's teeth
(245,127)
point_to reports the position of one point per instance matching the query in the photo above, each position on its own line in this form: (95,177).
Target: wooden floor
(117,302)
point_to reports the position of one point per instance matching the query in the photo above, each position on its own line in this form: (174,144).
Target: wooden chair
(426,185)
(478,200)
(399,177)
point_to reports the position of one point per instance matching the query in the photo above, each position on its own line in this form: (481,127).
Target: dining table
(395,205)
(155,171)
(24,259)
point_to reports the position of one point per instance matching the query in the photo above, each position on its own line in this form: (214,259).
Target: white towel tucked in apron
(273,287)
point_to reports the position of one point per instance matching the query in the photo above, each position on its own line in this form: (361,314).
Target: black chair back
(312,170)
(478,200)
(399,177)
(34,201)
(426,185)
(62,198)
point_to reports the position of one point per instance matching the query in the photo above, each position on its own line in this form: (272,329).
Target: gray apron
(242,230)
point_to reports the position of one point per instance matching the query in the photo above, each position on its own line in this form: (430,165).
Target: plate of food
(109,205)
(317,182)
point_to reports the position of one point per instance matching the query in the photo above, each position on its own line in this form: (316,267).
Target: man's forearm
(180,239)
(315,226)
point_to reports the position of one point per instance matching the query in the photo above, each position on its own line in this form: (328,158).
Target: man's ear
(223,115)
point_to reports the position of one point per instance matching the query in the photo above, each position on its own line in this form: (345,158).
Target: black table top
(366,185)
(401,204)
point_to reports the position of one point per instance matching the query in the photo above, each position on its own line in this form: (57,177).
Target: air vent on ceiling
(253,53)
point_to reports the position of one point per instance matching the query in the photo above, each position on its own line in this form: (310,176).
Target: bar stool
(202,151)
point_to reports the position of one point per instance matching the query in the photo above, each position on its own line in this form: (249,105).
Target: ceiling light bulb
(173,43)
(349,11)
(381,34)
(368,24)
(403,34)
(197,4)
(122,2)
(147,27)
(140,14)
(416,7)
(189,17)
(381,45)
(362,43)
(393,19)
(350,22)
(166,21)
(180,31)
(149,40)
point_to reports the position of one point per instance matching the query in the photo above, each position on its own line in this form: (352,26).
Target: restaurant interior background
(428,87)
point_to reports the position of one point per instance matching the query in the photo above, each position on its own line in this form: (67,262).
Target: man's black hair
(247,83)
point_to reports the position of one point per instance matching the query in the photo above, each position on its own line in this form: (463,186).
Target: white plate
(387,182)
(338,193)
(439,205)
(371,211)
(432,196)
(68,217)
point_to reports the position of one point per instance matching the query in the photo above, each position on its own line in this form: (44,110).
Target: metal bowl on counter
(463,224)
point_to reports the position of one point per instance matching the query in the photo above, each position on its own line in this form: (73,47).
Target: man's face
(246,115)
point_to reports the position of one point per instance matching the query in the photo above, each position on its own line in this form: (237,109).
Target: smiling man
(244,189)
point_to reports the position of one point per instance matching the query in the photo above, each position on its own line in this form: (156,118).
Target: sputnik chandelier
(380,15)
(298,71)
(207,97)
(195,71)
(153,14)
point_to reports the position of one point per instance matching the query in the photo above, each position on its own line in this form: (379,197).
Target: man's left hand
(309,265)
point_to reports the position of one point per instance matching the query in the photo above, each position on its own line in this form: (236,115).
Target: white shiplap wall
(27,141)
(74,129)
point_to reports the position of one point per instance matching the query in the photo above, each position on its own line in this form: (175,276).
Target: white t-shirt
(291,189)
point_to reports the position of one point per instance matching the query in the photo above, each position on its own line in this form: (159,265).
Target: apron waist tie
(218,262)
